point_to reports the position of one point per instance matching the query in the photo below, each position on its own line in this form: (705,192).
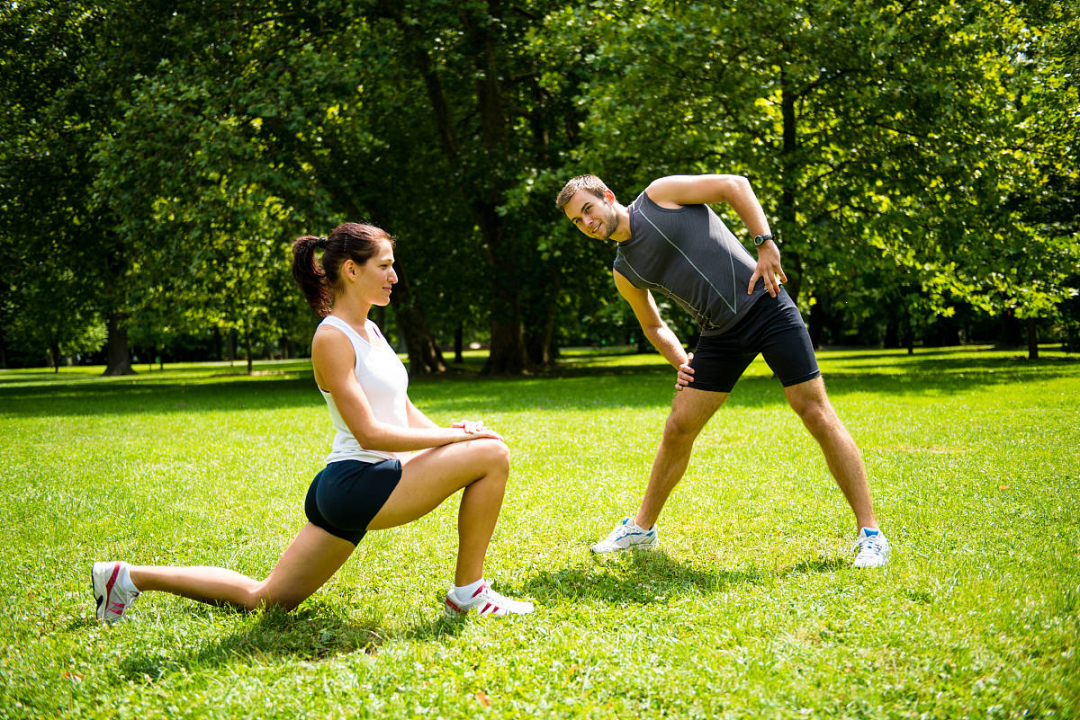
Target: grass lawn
(750,609)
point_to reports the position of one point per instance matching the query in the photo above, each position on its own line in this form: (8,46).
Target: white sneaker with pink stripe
(112,600)
(485,601)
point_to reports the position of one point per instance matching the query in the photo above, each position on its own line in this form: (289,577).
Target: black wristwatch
(758,239)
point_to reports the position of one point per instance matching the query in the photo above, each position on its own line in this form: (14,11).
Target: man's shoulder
(642,198)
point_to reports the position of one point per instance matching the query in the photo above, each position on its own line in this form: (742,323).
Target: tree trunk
(892,334)
(54,355)
(508,353)
(540,320)
(507,356)
(538,340)
(1033,339)
(789,170)
(1012,334)
(909,331)
(424,355)
(816,325)
(459,343)
(247,344)
(118,356)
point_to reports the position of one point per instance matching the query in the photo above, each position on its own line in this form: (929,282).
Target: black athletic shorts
(346,495)
(772,327)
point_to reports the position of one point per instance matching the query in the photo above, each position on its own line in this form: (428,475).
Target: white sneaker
(873,549)
(485,601)
(112,600)
(627,535)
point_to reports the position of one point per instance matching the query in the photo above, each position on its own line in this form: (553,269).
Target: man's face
(592,215)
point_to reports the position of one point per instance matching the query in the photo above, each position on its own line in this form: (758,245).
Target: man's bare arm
(656,330)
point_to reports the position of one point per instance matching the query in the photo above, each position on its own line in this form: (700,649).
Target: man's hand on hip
(686,373)
(768,269)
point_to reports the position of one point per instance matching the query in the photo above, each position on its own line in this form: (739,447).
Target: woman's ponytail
(309,273)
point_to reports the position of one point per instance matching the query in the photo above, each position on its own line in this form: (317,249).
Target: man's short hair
(591,183)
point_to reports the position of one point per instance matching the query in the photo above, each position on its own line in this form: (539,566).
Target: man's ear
(609,196)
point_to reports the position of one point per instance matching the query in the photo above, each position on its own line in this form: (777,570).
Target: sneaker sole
(452,612)
(883,563)
(651,546)
(99,600)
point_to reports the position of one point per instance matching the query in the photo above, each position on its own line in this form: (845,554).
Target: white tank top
(384,380)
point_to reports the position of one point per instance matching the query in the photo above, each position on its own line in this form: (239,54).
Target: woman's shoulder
(329,335)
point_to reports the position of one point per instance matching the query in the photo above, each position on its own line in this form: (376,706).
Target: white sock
(124,579)
(465,592)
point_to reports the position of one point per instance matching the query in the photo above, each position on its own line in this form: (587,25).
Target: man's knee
(818,417)
(681,429)
(815,411)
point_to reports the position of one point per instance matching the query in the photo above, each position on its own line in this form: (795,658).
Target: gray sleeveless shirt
(690,256)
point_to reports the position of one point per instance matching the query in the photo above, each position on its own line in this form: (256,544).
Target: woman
(373,478)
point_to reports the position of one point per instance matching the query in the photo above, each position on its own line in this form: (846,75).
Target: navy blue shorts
(346,495)
(773,327)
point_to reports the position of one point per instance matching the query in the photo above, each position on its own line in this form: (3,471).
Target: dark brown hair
(321,279)
(591,183)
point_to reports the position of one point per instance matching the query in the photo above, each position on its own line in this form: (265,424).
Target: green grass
(750,610)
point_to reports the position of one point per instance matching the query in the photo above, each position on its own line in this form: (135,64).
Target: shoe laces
(868,544)
(492,602)
(621,530)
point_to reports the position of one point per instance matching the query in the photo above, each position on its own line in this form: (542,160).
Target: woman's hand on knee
(474,430)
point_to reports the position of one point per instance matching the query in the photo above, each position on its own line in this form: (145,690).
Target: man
(670,241)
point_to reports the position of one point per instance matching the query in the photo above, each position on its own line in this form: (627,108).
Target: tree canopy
(157,159)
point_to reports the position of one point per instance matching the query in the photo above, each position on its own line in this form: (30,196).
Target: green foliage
(749,610)
(914,156)
(894,144)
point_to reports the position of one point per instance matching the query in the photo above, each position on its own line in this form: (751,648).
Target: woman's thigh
(311,559)
(431,476)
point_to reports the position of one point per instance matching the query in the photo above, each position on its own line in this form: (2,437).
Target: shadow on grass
(650,577)
(133,397)
(319,632)
(576,388)
(310,634)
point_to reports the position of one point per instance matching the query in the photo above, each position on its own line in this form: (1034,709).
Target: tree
(64,80)
(870,131)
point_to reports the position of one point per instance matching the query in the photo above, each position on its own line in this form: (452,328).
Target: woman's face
(374,280)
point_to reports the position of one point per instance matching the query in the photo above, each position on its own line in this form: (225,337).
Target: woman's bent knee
(496,455)
(260,597)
